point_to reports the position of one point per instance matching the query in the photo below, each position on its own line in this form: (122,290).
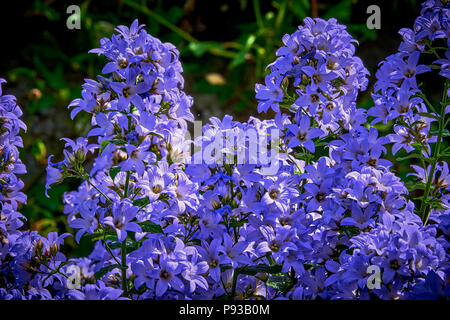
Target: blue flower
(303,133)
(167,275)
(122,217)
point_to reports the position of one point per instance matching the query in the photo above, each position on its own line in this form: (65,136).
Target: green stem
(424,208)
(86,178)
(274,34)
(124,244)
(433,51)
(183,34)
(233,285)
(428,103)
(258,16)
(127,184)
(224,286)
(53,270)
(124,267)
(280,16)
(180,32)
(109,249)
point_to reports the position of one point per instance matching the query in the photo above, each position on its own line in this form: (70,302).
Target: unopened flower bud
(54,249)
(215,204)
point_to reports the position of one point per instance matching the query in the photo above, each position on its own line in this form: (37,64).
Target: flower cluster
(302,206)
(359,216)
(414,256)
(316,74)
(401,102)
(28,262)
(137,182)
(10,165)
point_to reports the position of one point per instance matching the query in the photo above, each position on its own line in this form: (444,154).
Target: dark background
(45,63)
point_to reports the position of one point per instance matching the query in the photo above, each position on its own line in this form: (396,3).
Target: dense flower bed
(302,206)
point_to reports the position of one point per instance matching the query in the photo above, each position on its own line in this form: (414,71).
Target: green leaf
(438,206)
(445,133)
(410,156)
(280,282)
(352,229)
(446,149)
(58,269)
(444,153)
(103,271)
(111,237)
(118,142)
(39,150)
(238,224)
(428,115)
(224,268)
(342,10)
(264,268)
(238,60)
(197,242)
(103,145)
(321,143)
(108,235)
(113,172)
(240,57)
(174,14)
(156,135)
(141,202)
(417,146)
(148,226)
(417,186)
(130,244)
(29,73)
(200,48)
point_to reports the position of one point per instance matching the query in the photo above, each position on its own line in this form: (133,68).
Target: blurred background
(224,47)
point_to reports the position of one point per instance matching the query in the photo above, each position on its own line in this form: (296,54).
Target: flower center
(331,65)
(122,63)
(126,92)
(394,264)
(316,78)
(404,108)
(134,154)
(274,246)
(216,204)
(213,263)
(118,222)
(372,162)
(138,50)
(285,221)
(409,73)
(164,275)
(320,196)
(301,136)
(157,188)
(274,194)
